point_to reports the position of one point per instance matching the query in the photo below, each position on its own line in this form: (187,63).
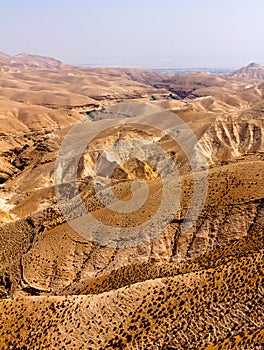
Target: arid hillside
(77,144)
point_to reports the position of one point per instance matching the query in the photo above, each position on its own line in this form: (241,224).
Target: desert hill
(165,312)
(177,290)
(252,72)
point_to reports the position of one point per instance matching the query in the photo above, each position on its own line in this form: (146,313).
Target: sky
(136,33)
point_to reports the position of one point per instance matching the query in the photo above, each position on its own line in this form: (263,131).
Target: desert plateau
(166,287)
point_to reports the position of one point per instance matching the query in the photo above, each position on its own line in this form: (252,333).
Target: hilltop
(252,72)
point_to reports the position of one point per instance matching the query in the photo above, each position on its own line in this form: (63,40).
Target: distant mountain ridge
(24,61)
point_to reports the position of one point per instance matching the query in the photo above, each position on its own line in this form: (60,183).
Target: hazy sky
(144,33)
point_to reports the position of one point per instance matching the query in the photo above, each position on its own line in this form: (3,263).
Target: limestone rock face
(228,140)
